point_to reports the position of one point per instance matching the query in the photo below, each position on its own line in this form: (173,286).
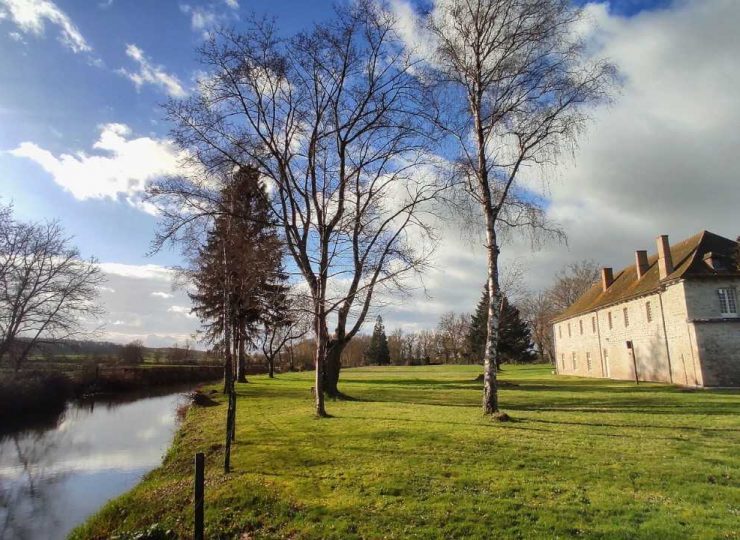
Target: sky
(82,131)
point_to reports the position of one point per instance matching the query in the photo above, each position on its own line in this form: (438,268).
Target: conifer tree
(378,351)
(234,272)
(515,340)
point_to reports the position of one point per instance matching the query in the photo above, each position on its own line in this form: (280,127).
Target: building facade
(672,317)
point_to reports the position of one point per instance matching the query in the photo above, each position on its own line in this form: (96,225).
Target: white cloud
(149,272)
(31,16)
(140,313)
(121,167)
(181,310)
(207,16)
(149,73)
(662,159)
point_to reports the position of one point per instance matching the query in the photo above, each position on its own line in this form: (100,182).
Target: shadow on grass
(471,383)
(631,426)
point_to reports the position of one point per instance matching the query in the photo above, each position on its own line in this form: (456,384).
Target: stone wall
(686,341)
(717,338)
(607,346)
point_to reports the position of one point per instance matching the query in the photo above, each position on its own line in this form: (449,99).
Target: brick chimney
(641,263)
(607,278)
(665,261)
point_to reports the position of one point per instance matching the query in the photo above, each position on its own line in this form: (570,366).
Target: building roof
(689,261)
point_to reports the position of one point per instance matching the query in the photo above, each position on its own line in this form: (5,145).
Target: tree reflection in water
(53,476)
(27,489)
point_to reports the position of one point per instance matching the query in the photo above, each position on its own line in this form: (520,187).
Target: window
(593,324)
(573,356)
(588,360)
(605,368)
(560,331)
(562,359)
(609,315)
(568,329)
(727,302)
(648,312)
(580,325)
(626,317)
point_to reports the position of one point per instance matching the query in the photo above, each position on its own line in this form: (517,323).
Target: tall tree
(234,273)
(515,339)
(518,81)
(333,119)
(378,351)
(48,292)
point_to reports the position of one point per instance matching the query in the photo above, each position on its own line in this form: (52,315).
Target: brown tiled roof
(688,262)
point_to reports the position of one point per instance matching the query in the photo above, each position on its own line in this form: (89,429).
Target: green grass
(413,457)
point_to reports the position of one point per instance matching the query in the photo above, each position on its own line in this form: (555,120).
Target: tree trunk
(332,367)
(271,367)
(490,356)
(322,338)
(241,368)
(228,373)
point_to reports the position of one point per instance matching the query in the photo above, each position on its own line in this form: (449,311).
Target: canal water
(53,477)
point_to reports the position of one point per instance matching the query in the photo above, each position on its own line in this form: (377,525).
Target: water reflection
(52,478)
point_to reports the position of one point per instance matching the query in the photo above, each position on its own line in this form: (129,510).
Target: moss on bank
(412,457)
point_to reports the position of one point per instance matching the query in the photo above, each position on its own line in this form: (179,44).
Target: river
(53,477)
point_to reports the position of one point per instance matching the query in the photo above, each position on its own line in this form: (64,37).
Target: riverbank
(40,394)
(412,457)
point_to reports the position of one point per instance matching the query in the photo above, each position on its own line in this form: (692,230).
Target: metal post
(631,348)
(199,494)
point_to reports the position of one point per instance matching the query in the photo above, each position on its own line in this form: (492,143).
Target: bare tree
(332,119)
(47,291)
(537,310)
(452,330)
(571,282)
(285,321)
(132,353)
(514,79)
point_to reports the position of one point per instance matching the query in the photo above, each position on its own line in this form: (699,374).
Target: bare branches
(516,83)
(334,121)
(47,291)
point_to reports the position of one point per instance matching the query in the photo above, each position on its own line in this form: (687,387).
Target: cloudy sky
(82,132)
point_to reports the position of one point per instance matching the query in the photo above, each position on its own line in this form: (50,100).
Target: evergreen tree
(476,339)
(378,351)
(515,339)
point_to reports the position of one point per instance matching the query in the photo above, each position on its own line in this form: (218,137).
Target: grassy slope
(413,457)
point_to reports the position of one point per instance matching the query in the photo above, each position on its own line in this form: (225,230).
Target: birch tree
(514,83)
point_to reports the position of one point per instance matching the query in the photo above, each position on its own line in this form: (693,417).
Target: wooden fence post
(199,494)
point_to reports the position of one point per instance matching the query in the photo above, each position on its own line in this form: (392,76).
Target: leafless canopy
(334,122)
(514,81)
(47,291)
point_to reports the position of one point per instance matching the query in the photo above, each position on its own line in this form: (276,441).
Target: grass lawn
(413,457)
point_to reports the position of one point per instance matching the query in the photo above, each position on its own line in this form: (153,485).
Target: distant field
(413,457)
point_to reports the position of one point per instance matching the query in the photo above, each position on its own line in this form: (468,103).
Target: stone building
(670,317)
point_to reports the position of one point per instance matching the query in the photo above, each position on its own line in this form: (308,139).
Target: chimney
(665,262)
(641,262)
(607,278)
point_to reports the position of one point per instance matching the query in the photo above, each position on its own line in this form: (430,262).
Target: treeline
(458,338)
(82,352)
(525,330)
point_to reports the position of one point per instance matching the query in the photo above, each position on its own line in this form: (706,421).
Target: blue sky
(85,79)
(58,98)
